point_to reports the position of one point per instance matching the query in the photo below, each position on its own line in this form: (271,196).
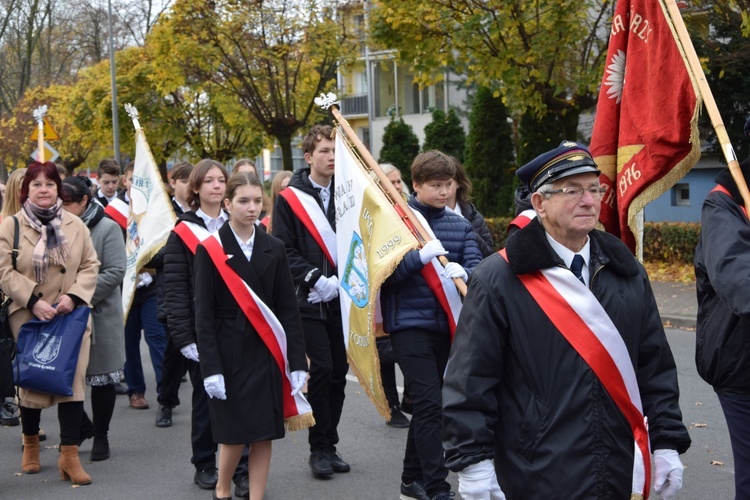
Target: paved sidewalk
(677,303)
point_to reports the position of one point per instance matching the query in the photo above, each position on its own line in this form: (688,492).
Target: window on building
(681,195)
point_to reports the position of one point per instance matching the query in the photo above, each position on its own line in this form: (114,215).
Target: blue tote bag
(48,352)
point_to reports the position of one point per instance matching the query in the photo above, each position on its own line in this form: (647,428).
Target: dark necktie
(576,266)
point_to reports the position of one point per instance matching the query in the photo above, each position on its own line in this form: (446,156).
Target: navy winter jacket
(406,299)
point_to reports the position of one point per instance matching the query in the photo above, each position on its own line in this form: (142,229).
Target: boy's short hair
(130,167)
(432,165)
(108,166)
(316,134)
(181,171)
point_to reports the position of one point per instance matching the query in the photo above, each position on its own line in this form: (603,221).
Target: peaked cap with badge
(569,158)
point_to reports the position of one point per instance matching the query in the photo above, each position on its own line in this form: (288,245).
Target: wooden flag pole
(708,99)
(329,102)
(39,116)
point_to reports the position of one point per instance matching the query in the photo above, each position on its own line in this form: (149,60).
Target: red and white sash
(297,411)
(577,314)
(522,220)
(192,235)
(307,210)
(444,289)
(118,211)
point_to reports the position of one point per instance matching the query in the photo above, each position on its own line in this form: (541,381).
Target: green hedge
(670,241)
(663,241)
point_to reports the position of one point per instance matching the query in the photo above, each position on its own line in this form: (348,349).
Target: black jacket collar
(529,251)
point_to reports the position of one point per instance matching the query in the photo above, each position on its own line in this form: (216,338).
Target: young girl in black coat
(241,374)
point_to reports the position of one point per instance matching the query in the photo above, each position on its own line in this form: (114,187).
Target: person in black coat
(526,405)
(175,364)
(317,288)
(207,189)
(240,373)
(722,336)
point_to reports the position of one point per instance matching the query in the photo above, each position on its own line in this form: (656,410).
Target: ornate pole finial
(133,113)
(325,101)
(40,112)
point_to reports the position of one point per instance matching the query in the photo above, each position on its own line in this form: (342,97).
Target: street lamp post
(115,120)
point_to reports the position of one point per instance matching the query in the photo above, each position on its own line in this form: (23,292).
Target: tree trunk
(569,122)
(285,142)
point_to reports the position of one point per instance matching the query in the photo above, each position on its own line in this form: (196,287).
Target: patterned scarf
(52,243)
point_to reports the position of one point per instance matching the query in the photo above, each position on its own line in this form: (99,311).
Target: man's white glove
(430,250)
(454,270)
(190,351)
(299,377)
(479,482)
(667,473)
(314,297)
(328,288)
(144,279)
(215,386)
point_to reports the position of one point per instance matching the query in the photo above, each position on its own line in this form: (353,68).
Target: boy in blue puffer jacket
(419,325)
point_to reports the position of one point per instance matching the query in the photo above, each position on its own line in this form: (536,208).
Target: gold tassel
(299,422)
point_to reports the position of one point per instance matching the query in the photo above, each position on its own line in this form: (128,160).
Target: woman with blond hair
(11,205)
(278,184)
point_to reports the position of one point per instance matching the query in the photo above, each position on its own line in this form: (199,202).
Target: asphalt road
(148,462)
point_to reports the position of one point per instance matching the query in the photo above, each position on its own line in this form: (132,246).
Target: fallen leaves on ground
(717,462)
(670,271)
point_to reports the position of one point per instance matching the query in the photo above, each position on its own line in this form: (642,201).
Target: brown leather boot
(70,466)
(30,459)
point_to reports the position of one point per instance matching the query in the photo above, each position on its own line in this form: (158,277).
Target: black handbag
(7,344)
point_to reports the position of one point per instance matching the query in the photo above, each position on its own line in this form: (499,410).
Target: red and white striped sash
(191,234)
(577,314)
(297,411)
(443,288)
(522,220)
(118,211)
(307,210)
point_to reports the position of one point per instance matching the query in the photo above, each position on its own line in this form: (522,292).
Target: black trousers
(422,356)
(175,366)
(324,344)
(201,438)
(737,414)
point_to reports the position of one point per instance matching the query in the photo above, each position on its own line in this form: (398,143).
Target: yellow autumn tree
(541,55)
(274,56)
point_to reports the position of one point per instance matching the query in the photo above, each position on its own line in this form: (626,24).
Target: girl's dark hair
(241,179)
(463,193)
(195,181)
(47,168)
(75,188)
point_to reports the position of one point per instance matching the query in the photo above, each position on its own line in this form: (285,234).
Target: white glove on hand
(328,288)
(431,249)
(190,351)
(215,386)
(479,482)
(144,279)
(314,297)
(454,270)
(299,377)
(667,473)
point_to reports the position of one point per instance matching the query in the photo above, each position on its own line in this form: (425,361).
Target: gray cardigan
(107,340)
